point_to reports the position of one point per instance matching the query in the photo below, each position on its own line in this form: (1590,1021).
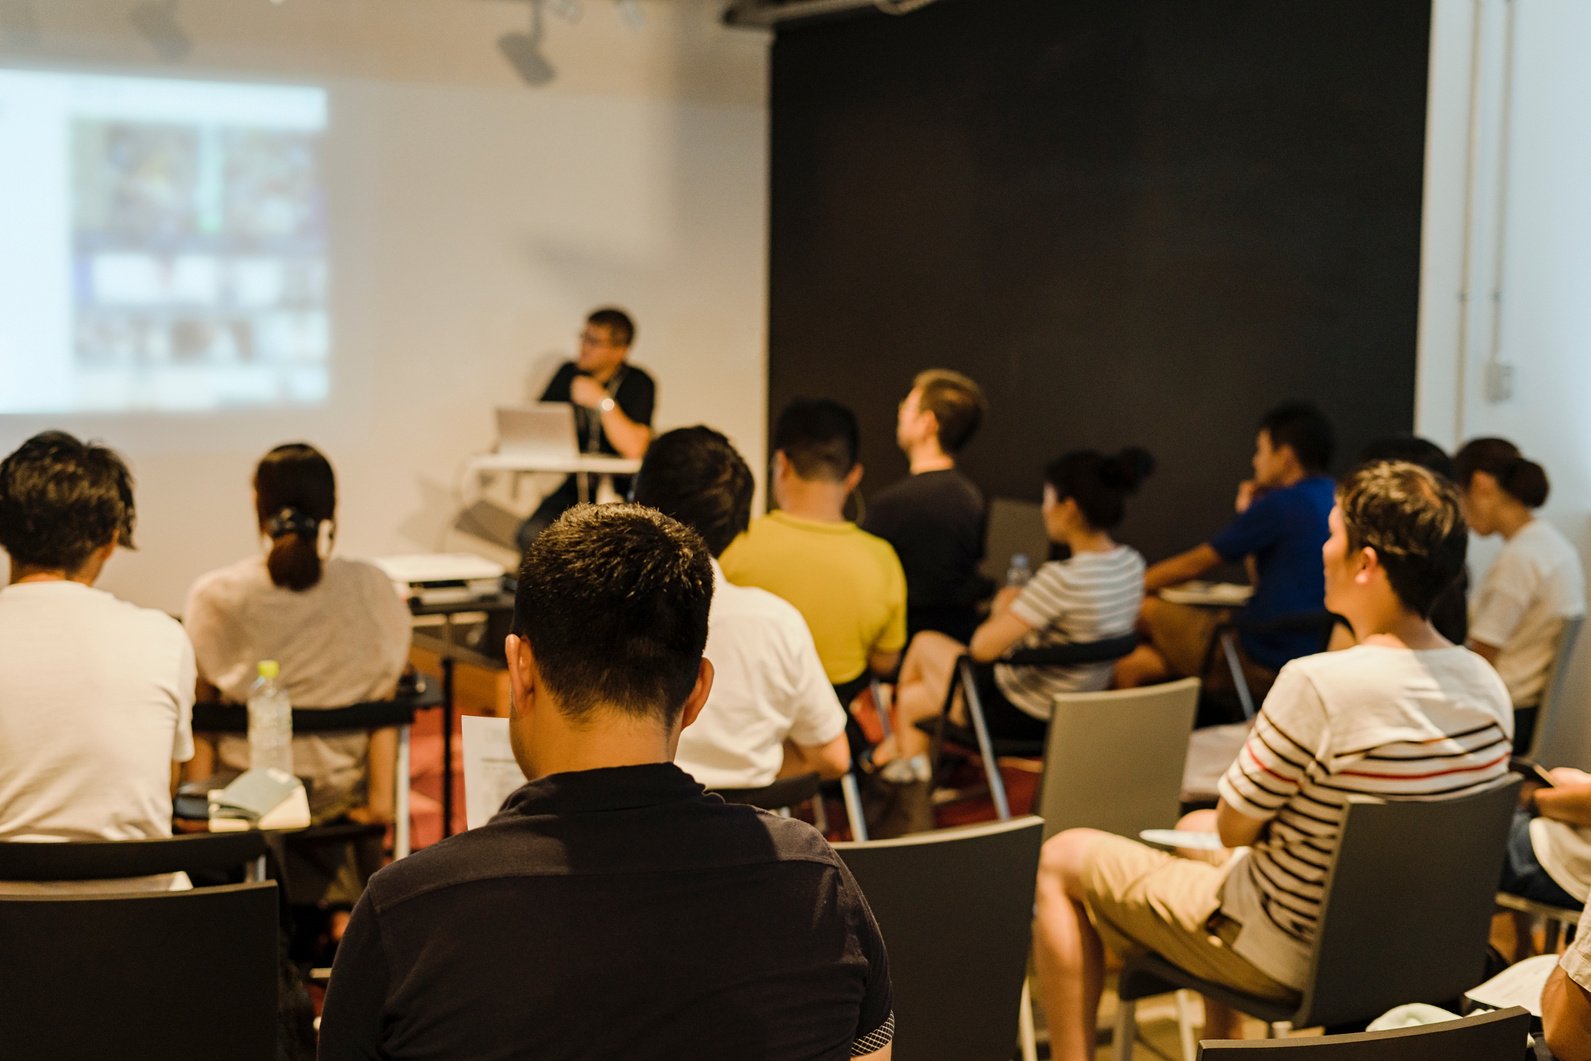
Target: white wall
(473,221)
(1537,205)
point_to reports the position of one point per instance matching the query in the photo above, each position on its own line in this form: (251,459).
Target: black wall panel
(1132,221)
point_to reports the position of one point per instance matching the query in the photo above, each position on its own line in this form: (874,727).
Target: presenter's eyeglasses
(589,338)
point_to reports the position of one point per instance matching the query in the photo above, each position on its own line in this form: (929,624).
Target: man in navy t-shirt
(1278,532)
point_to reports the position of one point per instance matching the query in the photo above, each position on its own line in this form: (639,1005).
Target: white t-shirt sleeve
(1503,599)
(816,716)
(1275,760)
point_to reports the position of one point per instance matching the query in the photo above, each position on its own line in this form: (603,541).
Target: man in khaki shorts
(1404,714)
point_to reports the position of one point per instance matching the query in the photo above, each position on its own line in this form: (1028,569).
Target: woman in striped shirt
(1092,596)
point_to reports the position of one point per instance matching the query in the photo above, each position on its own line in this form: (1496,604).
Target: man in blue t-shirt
(1278,532)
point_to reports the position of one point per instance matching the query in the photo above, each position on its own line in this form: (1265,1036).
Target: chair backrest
(956,910)
(1495,1034)
(1409,900)
(1014,527)
(784,792)
(108,859)
(1552,692)
(157,974)
(1114,760)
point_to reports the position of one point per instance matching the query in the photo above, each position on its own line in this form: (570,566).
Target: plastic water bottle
(270,721)
(1020,570)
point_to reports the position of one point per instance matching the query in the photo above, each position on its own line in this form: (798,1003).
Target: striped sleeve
(1281,750)
(1047,596)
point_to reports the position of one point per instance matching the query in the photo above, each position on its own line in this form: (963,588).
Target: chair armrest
(1069,655)
(108,859)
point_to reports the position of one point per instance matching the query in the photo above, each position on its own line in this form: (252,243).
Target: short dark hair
(61,499)
(1099,484)
(1523,480)
(295,491)
(1303,429)
(613,600)
(618,323)
(819,438)
(694,475)
(1410,516)
(957,403)
(1411,448)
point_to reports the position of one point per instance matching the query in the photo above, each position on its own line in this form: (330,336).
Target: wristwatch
(606,405)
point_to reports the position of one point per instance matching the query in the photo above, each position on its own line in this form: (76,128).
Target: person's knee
(1063,859)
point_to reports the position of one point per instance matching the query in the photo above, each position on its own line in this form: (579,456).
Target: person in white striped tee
(1404,714)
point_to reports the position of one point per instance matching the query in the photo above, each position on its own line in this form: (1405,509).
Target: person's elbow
(883,663)
(1566,1017)
(831,760)
(1235,828)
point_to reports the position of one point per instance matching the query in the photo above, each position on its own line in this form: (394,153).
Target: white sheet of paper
(490,771)
(1518,985)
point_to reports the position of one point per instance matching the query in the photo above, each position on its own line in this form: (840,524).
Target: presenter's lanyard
(593,417)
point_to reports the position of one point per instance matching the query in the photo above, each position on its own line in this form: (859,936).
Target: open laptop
(545,429)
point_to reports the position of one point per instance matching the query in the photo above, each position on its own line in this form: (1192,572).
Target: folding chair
(152,974)
(976,736)
(83,860)
(1495,1034)
(1553,692)
(956,907)
(1400,923)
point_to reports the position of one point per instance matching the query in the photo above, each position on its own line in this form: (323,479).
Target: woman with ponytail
(1535,583)
(339,632)
(1093,595)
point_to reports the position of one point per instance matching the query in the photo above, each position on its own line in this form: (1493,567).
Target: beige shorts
(1141,899)
(1182,634)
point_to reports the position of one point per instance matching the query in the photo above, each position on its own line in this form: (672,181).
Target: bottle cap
(269,669)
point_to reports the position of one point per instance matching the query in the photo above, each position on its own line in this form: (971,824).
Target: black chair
(1496,1035)
(956,909)
(976,735)
(1408,905)
(213,717)
(148,975)
(1317,624)
(111,859)
(784,793)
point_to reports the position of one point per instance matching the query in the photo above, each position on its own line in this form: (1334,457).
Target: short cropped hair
(957,403)
(61,499)
(694,475)
(618,323)
(613,600)
(1410,517)
(1305,430)
(819,438)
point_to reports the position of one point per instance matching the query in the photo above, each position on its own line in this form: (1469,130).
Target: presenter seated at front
(772,711)
(1535,584)
(846,583)
(936,516)
(1278,531)
(95,694)
(612,908)
(613,402)
(1404,714)
(341,636)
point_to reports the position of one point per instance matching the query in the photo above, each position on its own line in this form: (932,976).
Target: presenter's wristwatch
(606,405)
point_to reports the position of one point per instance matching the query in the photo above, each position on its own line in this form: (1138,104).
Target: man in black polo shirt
(613,402)
(611,908)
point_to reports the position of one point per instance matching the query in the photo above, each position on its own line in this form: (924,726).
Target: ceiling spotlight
(630,13)
(156,22)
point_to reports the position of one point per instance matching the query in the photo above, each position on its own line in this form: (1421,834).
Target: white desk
(581,465)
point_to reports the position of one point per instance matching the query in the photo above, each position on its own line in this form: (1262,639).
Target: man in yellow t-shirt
(846,583)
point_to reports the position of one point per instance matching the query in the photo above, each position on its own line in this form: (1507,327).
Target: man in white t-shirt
(95,693)
(772,711)
(1405,714)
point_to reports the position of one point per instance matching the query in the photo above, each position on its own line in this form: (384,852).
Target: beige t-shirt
(95,701)
(342,641)
(1535,584)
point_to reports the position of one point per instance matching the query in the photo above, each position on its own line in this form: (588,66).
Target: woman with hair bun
(1093,595)
(336,627)
(1535,583)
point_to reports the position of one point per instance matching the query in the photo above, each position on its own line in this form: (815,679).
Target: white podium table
(581,465)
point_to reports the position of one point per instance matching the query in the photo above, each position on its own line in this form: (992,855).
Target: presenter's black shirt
(617,913)
(936,522)
(631,389)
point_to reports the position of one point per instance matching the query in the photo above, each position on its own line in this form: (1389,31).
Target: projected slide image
(178,258)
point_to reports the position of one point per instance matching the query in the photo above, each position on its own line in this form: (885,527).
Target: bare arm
(627,436)
(381,799)
(1235,828)
(1565,803)
(997,634)
(1180,568)
(1566,1017)
(883,663)
(828,761)
(1489,653)
(878,1055)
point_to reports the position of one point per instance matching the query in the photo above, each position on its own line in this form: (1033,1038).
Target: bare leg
(1142,666)
(920,692)
(1220,1021)
(1067,951)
